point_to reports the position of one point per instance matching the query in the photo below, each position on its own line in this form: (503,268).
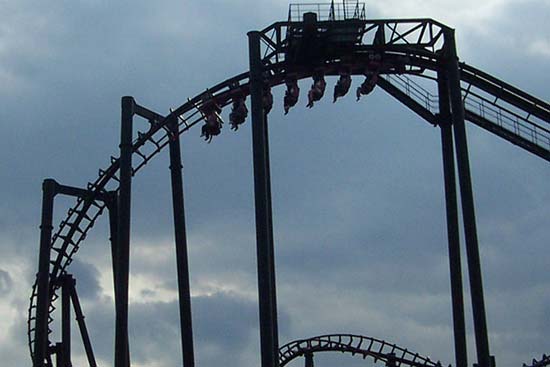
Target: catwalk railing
(523,128)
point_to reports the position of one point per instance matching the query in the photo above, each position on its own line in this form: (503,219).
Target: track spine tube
(41,345)
(467,199)
(123,233)
(264,225)
(180,234)
(455,267)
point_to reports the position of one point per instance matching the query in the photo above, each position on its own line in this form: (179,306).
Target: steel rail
(506,92)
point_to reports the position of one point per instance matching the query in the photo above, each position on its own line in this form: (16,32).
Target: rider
(239,111)
(267,98)
(291,94)
(342,85)
(317,88)
(371,78)
(213,125)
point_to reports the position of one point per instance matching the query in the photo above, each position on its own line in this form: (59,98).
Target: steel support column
(467,199)
(182,262)
(59,358)
(66,285)
(264,225)
(455,266)
(49,190)
(308,360)
(112,206)
(123,233)
(273,283)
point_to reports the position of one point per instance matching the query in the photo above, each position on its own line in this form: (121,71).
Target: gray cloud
(87,277)
(357,187)
(6,283)
(223,322)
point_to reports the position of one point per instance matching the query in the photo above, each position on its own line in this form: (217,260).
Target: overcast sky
(357,187)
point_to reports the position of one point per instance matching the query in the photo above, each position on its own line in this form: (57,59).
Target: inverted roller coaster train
(316,41)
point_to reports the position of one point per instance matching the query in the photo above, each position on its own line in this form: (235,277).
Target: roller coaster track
(378,350)
(489,103)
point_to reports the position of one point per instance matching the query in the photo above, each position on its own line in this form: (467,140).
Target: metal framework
(402,57)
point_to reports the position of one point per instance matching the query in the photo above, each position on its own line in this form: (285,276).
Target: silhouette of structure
(315,41)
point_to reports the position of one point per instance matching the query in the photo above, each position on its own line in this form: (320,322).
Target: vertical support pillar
(49,190)
(264,225)
(467,198)
(273,283)
(123,233)
(455,266)
(182,262)
(66,319)
(308,359)
(59,357)
(391,360)
(82,325)
(112,206)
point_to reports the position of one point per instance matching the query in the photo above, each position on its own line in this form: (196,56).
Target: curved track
(543,362)
(494,105)
(364,346)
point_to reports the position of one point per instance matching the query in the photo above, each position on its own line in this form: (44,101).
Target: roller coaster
(413,60)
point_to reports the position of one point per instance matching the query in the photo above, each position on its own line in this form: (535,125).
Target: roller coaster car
(342,85)
(292,93)
(211,111)
(371,79)
(239,111)
(317,88)
(310,42)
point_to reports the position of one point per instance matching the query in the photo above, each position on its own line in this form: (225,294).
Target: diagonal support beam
(66,285)
(82,325)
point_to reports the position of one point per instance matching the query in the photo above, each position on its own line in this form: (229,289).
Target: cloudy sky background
(357,187)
